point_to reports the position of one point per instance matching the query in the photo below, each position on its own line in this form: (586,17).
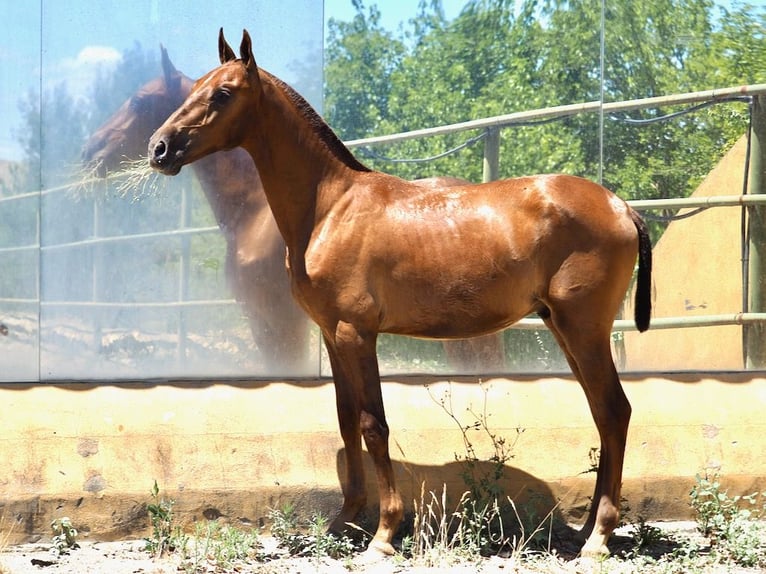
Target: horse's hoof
(379,549)
(595,552)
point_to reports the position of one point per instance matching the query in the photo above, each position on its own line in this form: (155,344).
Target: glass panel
(19,200)
(494,57)
(112,273)
(134,280)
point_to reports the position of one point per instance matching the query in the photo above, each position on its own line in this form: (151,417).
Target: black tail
(643,304)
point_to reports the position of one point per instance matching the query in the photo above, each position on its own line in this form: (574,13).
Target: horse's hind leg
(588,351)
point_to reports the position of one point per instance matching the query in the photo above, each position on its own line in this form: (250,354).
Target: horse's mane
(320,127)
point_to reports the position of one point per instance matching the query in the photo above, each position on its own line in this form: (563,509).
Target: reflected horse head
(125,135)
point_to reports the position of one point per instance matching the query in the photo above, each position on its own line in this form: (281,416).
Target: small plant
(440,537)
(166,537)
(644,535)
(64,536)
(316,542)
(216,547)
(732,523)
(482,480)
(467,534)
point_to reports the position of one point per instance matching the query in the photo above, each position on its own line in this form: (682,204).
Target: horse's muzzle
(161,157)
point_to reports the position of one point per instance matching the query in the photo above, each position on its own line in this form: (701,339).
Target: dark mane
(325,133)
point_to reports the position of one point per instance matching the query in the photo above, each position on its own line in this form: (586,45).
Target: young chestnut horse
(370,253)
(255,250)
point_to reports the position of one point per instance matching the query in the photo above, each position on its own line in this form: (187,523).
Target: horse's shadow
(530,511)
(535,518)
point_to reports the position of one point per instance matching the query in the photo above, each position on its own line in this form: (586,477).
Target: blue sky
(79,37)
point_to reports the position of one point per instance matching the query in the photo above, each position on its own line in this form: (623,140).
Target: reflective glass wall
(111,272)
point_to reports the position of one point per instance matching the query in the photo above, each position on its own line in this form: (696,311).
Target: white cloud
(94,56)
(80,72)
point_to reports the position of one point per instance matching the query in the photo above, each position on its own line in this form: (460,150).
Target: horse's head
(210,119)
(124,136)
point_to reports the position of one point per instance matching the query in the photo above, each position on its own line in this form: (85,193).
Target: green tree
(496,57)
(361,56)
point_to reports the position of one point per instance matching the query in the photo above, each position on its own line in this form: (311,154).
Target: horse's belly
(457,312)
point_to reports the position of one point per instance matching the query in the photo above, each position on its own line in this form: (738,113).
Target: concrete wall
(92,452)
(697,271)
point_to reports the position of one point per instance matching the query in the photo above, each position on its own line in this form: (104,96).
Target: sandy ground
(130,558)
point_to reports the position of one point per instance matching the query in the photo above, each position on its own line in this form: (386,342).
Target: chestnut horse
(255,251)
(370,253)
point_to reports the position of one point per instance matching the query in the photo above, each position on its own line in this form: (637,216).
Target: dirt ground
(130,557)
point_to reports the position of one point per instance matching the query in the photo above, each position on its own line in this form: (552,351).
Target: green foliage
(440,536)
(64,536)
(311,539)
(217,547)
(480,522)
(499,56)
(482,475)
(732,523)
(166,536)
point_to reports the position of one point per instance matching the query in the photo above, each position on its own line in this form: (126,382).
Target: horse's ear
(246,52)
(172,76)
(225,53)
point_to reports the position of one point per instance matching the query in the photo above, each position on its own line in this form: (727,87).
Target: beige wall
(697,271)
(92,452)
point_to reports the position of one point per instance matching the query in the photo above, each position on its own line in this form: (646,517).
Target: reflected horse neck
(232,187)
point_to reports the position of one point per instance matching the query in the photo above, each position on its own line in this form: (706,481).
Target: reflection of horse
(371,253)
(255,254)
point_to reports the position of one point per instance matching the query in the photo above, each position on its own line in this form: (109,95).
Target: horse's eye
(137,104)
(220,96)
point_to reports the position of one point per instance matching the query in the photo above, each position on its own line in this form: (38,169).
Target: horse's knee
(375,433)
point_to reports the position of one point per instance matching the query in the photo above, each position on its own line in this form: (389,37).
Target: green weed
(734,524)
(166,536)
(64,536)
(310,539)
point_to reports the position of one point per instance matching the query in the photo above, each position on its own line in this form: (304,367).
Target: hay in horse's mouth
(137,178)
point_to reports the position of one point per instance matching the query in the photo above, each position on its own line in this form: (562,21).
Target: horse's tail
(643,304)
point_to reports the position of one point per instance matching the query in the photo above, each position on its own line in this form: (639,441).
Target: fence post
(491,162)
(755,334)
(184,270)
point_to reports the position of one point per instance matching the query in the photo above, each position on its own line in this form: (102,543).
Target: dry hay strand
(135,180)
(138,180)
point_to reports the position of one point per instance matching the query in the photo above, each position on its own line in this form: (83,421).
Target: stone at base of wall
(121,515)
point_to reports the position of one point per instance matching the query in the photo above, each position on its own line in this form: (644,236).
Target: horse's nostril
(160,149)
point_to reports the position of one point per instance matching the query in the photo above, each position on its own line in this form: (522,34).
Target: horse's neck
(302,170)
(232,187)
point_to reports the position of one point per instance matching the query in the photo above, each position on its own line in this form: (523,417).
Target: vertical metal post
(755,334)
(183,272)
(98,263)
(491,164)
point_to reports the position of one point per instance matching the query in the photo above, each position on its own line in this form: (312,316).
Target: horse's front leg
(353,485)
(358,360)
